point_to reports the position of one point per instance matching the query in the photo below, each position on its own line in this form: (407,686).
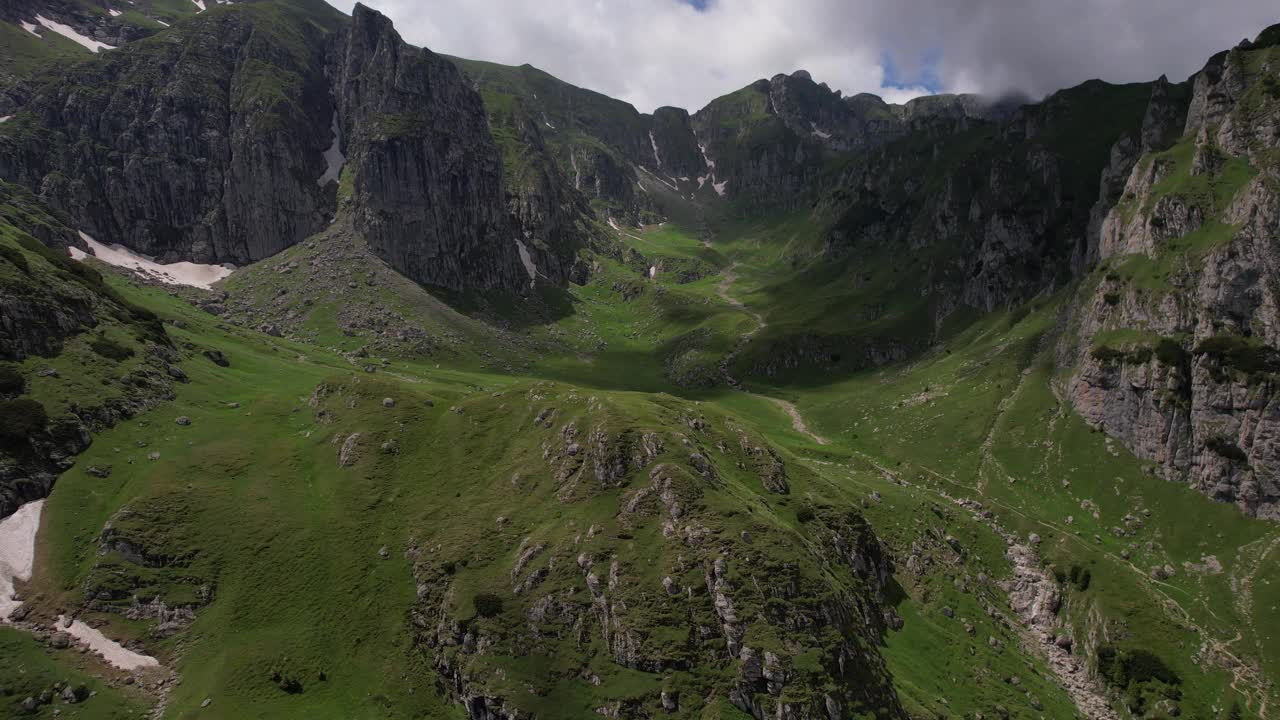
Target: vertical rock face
(1001,220)
(675,143)
(201,144)
(211,142)
(1176,342)
(426,177)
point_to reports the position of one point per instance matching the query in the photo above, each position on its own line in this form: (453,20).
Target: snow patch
(577,174)
(179,273)
(613,224)
(17,552)
(114,12)
(655,177)
(163,23)
(527,260)
(653,272)
(199,4)
(711,164)
(70,33)
(29,27)
(333,157)
(719,187)
(819,133)
(5,119)
(110,650)
(654,142)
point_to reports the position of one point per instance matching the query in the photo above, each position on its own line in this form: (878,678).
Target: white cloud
(664,52)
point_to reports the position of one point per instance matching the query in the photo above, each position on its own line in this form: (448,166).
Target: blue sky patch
(926,76)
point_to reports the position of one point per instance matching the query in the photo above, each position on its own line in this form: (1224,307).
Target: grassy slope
(269,514)
(997,433)
(27,668)
(264,514)
(1000,436)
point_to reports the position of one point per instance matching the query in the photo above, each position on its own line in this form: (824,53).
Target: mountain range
(339,378)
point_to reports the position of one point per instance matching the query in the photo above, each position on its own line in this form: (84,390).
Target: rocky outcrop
(426,176)
(46,301)
(1182,321)
(698,598)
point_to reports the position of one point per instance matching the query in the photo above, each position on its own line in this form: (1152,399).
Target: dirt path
(731,276)
(797,421)
(723,290)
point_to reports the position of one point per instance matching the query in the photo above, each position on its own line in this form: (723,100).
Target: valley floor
(297,525)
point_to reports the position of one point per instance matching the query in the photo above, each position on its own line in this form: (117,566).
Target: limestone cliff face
(203,144)
(770,140)
(1179,326)
(603,150)
(222,140)
(426,176)
(997,210)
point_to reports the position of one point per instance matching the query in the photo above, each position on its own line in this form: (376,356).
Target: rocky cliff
(426,177)
(201,143)
(1179,322)
(223,139)
(602,148)
(768,142)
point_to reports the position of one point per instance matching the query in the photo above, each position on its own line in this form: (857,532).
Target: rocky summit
(344,379)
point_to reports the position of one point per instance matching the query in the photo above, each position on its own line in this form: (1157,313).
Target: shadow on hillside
(543,305)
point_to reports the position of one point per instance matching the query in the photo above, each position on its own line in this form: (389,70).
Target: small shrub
(21,418)
(1239,352)
(1080,577)
(1109,355)
(1121,668)
(11,381)
(1082,582)
(1105,354)
(1170,352)
(1144,666)
(1111,298)
(1222,446)
(286,682)
(110,349)
(16,258)
(805,514)
(487,605)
